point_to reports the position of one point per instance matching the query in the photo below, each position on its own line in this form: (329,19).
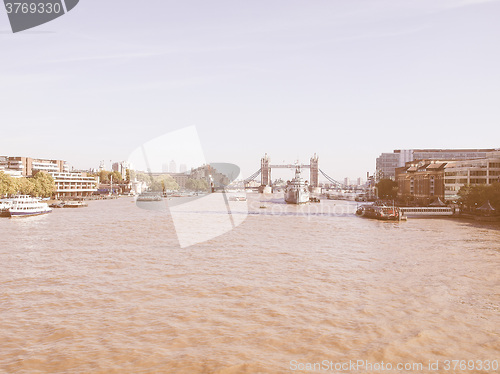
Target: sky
(347,80)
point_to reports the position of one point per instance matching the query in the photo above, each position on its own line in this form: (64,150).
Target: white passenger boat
(25,206)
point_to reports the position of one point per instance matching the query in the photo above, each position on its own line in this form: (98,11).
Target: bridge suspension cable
(330,179)
(252,177)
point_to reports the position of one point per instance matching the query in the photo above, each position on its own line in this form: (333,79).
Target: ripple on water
(107,289)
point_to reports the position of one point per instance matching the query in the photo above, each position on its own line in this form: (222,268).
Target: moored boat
(75,204)
(149,196)
(381,212)
(25,206)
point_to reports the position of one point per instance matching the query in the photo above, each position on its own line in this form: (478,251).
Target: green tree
(117,177)
(163,183)
(26,186)
(475,196)
(190,184)
(197,184)
(43,184)
(387,189)
(170,183)
(8,185)
(143,177)
(103,176)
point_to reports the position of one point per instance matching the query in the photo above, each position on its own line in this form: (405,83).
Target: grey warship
(297,190)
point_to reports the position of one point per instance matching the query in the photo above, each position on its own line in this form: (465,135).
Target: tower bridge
(313,166)
(266,167)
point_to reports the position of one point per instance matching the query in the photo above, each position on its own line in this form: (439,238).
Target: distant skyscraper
(173,167)
(182,168)
(121,167)
(347,181)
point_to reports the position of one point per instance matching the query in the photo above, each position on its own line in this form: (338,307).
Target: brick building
(421,182)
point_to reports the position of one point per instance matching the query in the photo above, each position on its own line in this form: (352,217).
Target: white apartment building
(48,166)
(74,185)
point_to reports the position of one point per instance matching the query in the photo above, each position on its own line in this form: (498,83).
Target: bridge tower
(265,171)
(314,170)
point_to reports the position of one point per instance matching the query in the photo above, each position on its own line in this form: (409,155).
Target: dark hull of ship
(384,214)
(28,214)
(296,197)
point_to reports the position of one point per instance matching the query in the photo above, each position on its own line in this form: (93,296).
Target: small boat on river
(75,204)
(149,196)
(380,211)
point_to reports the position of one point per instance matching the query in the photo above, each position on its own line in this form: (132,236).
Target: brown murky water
(106,289)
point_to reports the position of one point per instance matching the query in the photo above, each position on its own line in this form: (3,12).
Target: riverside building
(179,178)
(421,182)
(28,166)
(122,168)
(387,163)
(4,168)
(469,173)
(69,185)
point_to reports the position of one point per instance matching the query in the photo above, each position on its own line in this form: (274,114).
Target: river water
(108,289)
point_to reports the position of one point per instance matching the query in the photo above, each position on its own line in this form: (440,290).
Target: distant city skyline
(345,80)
